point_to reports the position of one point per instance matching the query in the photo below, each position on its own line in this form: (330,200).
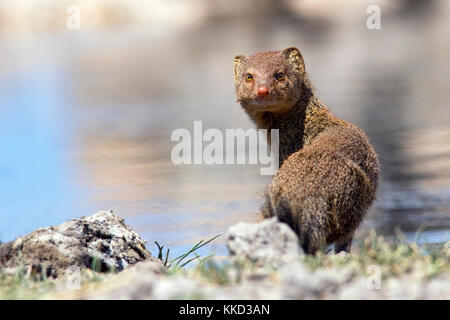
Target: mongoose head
(269,81)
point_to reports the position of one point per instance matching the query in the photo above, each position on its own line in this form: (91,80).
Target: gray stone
(268,241)
(102,240)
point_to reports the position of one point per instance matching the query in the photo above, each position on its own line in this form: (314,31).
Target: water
(86,118)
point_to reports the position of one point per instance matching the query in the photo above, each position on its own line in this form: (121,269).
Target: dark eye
(279,76)
(248,77)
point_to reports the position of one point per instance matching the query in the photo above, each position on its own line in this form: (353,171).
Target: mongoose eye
(248,77)
(279,76)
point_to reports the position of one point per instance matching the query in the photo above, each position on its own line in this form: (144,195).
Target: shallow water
(86,118)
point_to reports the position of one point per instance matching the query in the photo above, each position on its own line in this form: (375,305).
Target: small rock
(268,241)
(298,282)
(101,240)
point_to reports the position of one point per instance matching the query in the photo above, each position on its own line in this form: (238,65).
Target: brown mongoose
(328,171)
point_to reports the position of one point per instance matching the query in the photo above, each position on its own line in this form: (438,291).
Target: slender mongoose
(328,172)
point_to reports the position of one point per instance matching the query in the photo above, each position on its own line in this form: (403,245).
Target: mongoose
(328,172)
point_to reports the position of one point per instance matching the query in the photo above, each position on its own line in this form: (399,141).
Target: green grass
(184,259)
(21,284)
(393,258)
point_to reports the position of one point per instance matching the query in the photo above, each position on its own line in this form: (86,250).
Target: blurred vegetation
(394,259)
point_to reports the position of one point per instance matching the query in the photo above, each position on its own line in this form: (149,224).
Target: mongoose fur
(328,171)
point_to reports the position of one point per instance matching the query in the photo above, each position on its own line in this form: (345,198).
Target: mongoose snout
(263,91)
(328,172)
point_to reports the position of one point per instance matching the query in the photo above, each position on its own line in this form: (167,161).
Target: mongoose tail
(306,221)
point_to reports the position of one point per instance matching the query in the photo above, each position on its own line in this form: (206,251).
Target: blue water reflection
(35,186)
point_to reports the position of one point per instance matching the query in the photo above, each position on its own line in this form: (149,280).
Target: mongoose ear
(237,65)
(295,59)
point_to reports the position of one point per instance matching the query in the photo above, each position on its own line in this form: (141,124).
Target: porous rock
(268,241)
(102,241)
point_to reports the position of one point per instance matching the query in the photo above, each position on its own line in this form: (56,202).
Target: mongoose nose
(263,91)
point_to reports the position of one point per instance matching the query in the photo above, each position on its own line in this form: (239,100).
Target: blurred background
(86,114)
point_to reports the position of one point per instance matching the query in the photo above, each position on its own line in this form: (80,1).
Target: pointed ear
(238,60)
(295,59)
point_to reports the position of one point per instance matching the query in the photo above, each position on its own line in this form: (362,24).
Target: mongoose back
(328,171)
